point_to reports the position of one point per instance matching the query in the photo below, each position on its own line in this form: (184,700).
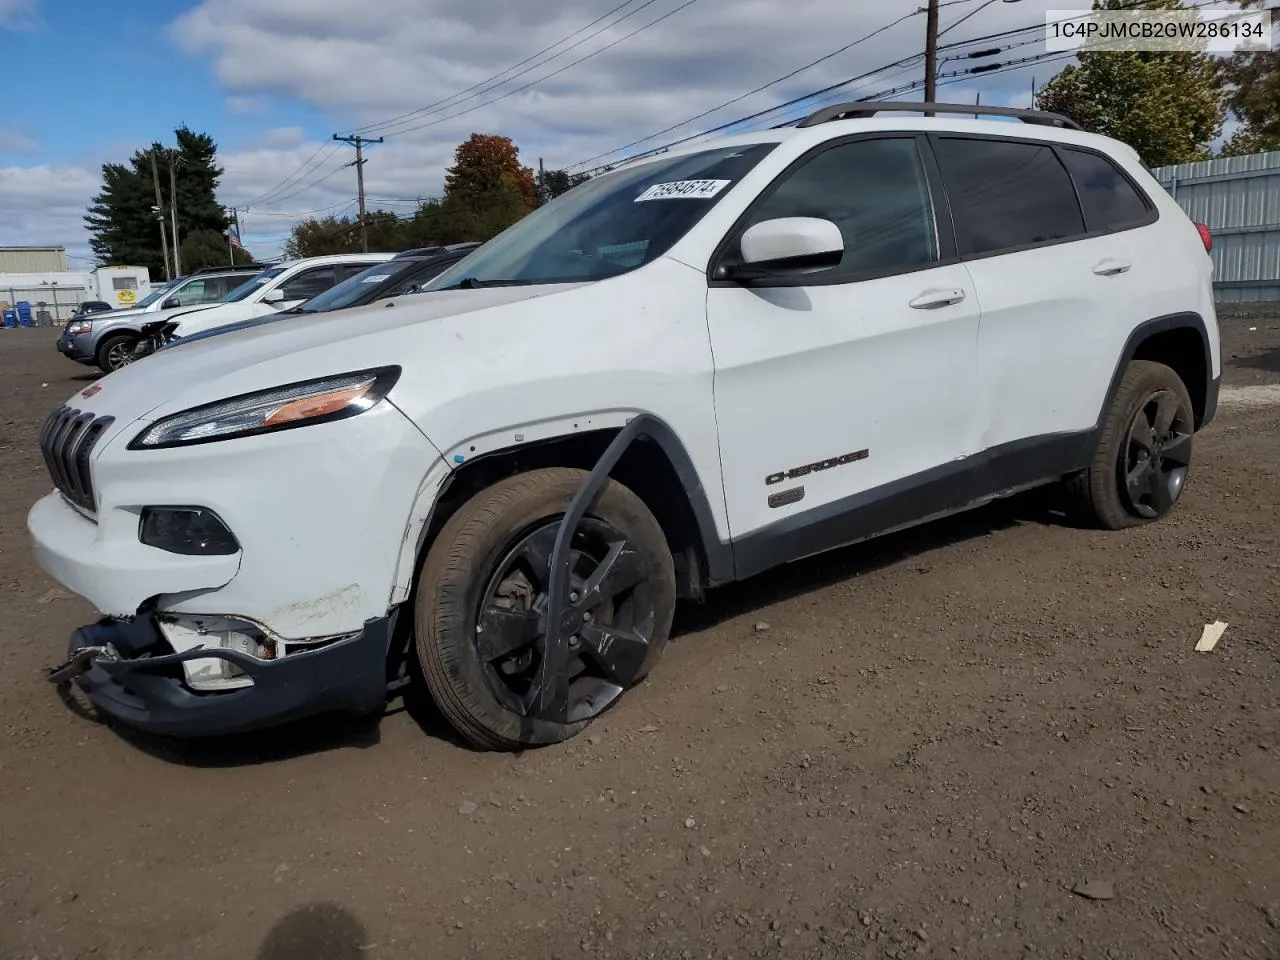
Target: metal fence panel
(1238,198)
(50,306)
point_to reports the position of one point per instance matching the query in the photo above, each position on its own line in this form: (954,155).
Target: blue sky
(271,80)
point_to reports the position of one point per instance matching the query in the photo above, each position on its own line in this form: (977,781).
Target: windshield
(610,225)
(157,293)
(251,286)
(350,290)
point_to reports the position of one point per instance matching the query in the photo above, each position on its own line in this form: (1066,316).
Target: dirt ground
(916,747)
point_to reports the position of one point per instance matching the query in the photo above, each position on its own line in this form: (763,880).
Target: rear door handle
(931,299)
(1111,266)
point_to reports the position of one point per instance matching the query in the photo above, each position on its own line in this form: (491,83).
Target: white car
(272,290)
(684,372)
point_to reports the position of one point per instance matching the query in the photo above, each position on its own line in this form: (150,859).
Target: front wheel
(482,597)
(1143,456)
(115,352)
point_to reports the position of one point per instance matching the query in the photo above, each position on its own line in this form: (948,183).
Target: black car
(405,273)
(91,306)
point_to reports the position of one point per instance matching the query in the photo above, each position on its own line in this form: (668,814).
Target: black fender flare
(1143,332)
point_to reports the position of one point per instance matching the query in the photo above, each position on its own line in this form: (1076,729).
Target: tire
(1101,495)
(478,572)
(115,352)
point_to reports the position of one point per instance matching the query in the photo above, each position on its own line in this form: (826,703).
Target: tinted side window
(876,192)
(346,271)
(192,293)
(1006,194)
(309,283)
(1110,201)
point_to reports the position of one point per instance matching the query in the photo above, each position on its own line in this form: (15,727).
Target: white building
(39,275)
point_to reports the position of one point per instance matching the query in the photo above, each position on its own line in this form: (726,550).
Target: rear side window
(1110,201)
(1006,194)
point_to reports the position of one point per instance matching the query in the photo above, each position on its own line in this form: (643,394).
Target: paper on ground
(1209,638)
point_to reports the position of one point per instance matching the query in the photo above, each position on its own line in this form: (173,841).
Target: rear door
(1057,295)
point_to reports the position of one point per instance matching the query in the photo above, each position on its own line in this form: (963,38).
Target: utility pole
(931,52)
(358,163)
(159,212)
(231,249)
(173,212)
(542,182)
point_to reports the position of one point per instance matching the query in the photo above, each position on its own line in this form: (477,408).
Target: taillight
(1205,236)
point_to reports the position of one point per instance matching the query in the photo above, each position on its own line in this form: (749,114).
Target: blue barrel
(10,317)
(25,319)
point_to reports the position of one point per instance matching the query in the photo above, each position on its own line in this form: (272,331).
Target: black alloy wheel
(1157,455)
(481,609)
(612,614)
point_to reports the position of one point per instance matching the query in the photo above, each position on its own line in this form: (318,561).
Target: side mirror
(787,246)
(171,303)
(275,295)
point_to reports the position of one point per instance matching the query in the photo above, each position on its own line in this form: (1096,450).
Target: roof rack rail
(869,108)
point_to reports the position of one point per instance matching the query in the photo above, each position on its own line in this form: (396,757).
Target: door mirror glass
(789,246)
(171,303)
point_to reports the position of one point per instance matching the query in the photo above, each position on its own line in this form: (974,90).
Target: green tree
(1251,87)
(208,248)
(552,183)
(122,225)
(317,238)
(485,191)
(1166,105)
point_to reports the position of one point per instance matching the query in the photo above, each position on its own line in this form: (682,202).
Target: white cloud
(357,68)
(245,105)
(45,204)
(12,141)
(15,14)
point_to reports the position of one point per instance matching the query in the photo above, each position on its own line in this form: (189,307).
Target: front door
(841,395)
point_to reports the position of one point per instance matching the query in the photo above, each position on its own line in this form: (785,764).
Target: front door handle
(931,299)
(1112,266)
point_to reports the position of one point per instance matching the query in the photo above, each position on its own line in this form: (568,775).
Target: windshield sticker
(675,190)
(377,278)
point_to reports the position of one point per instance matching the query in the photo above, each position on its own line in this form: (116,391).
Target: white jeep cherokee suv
(684,372)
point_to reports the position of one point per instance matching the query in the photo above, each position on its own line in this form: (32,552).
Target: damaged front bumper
(130,672)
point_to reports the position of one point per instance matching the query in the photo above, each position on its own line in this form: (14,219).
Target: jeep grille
(67,442)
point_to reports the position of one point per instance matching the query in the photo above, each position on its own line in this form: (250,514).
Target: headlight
(266,411)
(79,327)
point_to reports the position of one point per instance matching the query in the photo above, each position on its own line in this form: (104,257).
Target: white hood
(296,347)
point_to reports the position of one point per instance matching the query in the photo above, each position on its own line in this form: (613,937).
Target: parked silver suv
(107,340)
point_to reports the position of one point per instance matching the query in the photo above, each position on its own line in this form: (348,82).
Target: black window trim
(943,219)
(962,240)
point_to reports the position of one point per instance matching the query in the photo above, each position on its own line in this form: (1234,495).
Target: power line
(393,121)
(758,89)
(554,73)
(297,174)
(307,186)
(844,83)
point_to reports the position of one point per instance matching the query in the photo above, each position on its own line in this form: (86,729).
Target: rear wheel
(482,600)
(1143,456)
(116,351)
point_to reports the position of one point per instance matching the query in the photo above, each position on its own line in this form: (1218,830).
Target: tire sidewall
(453,582)
(1147,379)
(104,350)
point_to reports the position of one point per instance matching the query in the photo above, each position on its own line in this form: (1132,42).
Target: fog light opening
(189,531)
